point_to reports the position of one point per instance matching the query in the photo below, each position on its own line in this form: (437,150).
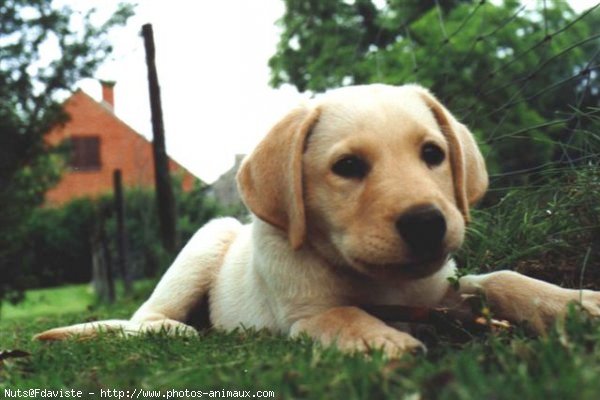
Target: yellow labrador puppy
(359,197)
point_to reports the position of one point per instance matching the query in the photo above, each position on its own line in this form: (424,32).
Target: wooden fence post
(102,275)
(164,191)
(121,233)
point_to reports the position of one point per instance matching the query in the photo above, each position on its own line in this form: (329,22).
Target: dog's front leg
(351,330)
(519,298)
(190,277)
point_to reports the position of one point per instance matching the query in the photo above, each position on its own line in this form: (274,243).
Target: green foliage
(28,89)
(525,81)
(19,194)
(194,209)
(56,243)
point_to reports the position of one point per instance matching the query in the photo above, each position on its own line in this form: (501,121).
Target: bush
(58,241)
(57,246)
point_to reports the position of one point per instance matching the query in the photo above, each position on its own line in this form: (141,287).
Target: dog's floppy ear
(468,166)
(270,179)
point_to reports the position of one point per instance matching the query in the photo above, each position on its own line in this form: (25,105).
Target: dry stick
(434,316)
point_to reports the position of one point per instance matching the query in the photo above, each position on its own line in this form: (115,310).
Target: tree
(525,80)
(29,85)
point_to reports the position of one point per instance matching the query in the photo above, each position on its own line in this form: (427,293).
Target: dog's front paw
(353,330)
(590,301)
(546,311)
(168,326)
(519,298)
(392,342)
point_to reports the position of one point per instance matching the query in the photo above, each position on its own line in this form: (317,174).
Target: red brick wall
(120,147)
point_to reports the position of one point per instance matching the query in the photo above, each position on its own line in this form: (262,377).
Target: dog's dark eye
(432,154)
(351,166)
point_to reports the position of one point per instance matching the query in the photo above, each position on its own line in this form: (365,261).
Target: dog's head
(376,178)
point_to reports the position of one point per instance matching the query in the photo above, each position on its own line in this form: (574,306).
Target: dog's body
(359,198)
(265,295)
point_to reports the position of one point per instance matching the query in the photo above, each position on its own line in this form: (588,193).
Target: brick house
(100,143)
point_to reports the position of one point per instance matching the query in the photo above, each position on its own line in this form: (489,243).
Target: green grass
(51,301)
(70,299)
(564,365)
(549,230)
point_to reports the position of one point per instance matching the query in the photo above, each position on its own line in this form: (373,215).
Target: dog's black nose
(423,228)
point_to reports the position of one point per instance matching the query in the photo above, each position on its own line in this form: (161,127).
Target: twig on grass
(440,317)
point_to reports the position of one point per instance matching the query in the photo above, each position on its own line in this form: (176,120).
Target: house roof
(108,109)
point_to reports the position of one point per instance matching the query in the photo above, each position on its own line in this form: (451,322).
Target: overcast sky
(212,66)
